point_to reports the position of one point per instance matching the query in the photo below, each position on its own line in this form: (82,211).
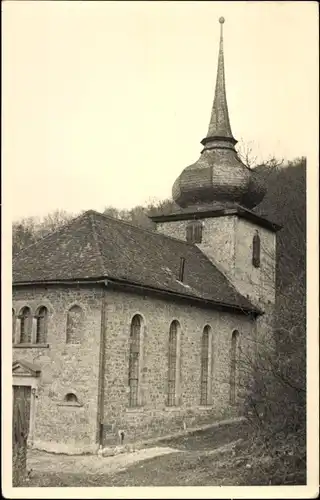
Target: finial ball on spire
(221,20)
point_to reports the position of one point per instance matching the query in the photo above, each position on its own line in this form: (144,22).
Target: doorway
(25,383)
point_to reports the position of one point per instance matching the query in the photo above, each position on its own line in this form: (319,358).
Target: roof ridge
(142,229)
(60,229)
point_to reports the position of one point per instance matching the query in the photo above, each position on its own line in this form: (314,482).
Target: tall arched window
(256,250)
(41,328)
(134,360)
(13,326)
(205,366)
(194,231)
(234,365)
(25,325)
(173,363)
(74,325)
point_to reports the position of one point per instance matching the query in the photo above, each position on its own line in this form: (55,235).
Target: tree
(247,152)
(28,230)
(276,393)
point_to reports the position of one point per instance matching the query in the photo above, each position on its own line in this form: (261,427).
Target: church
(123,331)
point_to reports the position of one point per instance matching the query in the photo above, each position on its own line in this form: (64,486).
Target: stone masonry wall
(153,417)
(64,367)
(257,283)
(227,242)
(218,239)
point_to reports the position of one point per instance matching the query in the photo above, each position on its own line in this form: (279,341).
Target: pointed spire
(219,127)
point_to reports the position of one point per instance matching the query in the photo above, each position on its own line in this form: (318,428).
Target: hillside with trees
(281,381)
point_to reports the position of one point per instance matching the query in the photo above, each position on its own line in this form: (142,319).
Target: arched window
(134,360)
(204,366)
(234,366)
(71,398)
(74,325)
(25,325)
(194,231)
(256,250)
(41,325)
(13,326)
(173,364)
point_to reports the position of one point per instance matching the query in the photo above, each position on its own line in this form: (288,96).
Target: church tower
(215,196)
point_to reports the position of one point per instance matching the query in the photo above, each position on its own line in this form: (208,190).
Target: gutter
(82,281)
(137,288)
(143,289)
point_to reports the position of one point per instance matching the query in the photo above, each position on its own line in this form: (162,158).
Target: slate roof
(94,245)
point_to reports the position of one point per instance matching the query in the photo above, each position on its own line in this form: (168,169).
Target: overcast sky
(104,103)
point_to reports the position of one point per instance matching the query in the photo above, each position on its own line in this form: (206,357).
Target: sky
(105,103)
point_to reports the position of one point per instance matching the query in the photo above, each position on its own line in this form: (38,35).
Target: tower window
(256,250)
(194,232)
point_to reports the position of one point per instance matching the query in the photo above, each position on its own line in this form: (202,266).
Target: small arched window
(13,326)
(71,398)
(41,325)
(234,365)
(204,366)
(256,250)
(173,365)
(134,360)
(74,325)
(25,326)
(194,232)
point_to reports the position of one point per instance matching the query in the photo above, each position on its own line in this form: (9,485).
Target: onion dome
(219,176)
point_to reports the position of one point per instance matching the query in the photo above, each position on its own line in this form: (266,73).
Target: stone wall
(257,283)
(75,368)
(218,239)
(227,242)
(65,368)
(154,417)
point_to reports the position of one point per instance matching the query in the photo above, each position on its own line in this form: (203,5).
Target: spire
(218,178)
(219,127)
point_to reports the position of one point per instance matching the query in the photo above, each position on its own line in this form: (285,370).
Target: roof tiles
(94,245)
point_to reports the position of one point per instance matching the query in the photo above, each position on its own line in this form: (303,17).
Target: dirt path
(91,464)
(200,458)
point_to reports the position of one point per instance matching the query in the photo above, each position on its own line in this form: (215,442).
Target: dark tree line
(277,401)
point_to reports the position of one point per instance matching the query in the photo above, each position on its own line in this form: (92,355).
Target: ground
(213,457)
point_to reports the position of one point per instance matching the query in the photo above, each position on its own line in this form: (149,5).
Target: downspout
(101,374)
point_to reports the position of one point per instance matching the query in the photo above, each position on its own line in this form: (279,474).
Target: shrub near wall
(19,448)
